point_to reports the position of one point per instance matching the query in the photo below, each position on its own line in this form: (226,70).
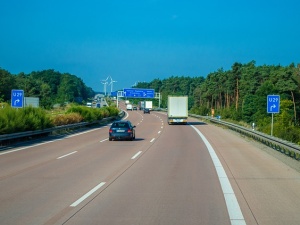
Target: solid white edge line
(21,149)
(87,195)
(233,207)
(47,142)
(66,155)
(136,155)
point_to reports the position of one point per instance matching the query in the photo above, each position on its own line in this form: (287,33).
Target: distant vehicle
(146,110)
(134,108)
(89,104)
(177,109)
(129,107)
(141,105)
(148,105)
(122,129)
(126,102)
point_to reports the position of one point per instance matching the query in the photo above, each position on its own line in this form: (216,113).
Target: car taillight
(129,131)
(110,130)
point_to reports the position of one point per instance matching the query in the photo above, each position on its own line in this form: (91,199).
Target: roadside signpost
(17,98)
(273,106)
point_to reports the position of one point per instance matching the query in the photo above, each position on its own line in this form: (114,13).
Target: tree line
(240,94)
(49,85)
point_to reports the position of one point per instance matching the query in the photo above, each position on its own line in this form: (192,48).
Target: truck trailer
(148,105)
(141,105)
(177,109)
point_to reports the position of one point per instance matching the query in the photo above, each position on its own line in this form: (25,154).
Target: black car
(122,129)
(146,111)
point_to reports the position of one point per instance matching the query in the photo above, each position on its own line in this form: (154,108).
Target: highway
(170,174)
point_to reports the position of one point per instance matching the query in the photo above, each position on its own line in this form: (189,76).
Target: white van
(129,107)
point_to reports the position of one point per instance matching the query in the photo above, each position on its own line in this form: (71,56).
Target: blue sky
(141,40)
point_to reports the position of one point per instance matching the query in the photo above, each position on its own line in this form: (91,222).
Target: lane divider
(87,194)
(104,140)
(233,207)
(66,155)
(136,155)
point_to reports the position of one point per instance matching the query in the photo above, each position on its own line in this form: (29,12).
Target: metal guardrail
(285,147)
(7,137)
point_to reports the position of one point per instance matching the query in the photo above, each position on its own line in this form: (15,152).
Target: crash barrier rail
(47,131)
(285,147)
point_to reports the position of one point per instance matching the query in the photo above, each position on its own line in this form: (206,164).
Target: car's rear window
(120,125)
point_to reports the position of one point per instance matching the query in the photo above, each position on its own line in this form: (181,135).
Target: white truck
(141,105)
(148,105)
(177,109)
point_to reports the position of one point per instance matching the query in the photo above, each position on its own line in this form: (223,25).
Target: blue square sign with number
(273,103)
(17,98)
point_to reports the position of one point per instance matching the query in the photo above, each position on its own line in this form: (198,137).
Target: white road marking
(233,208)
(20,149)
(87,195)
(159,132)
(136,155)
(66,155)
(47,142)
(104,140)
(152,139)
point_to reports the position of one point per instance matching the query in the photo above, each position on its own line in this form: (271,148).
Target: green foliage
(64,119)
(93,114)
(239,94)
(113,111)
(25,119)
(50,86)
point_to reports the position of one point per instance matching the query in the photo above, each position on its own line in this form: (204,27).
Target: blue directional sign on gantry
(17,98)
(138,93)
(273,103)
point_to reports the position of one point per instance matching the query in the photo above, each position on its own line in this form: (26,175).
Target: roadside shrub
(87,113)
(64,119)
(113,111)
(92,114)
(14,120)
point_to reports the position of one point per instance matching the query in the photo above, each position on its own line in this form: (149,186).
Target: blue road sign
(273,103)
(138,93)
(17,98)
(114,94)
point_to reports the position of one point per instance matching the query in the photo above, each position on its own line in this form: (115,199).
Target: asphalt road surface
(170,174)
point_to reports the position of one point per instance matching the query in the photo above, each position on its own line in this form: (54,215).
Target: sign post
(17,98)
(273,106)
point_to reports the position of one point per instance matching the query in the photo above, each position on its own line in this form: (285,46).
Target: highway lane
(42,181)
(165,176)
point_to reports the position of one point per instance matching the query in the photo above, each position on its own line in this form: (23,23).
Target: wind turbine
(111,84)
(104,82)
